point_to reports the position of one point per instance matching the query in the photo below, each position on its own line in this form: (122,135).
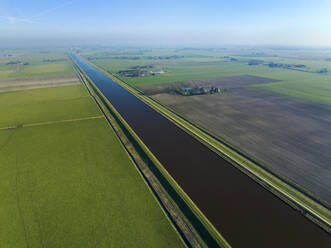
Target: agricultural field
(29,69)
(30,63)
(44,105)
(15,84)
(283,122)
(289,136)
(66,181)
(183,65)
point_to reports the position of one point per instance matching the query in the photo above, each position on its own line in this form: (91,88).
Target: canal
(246,214)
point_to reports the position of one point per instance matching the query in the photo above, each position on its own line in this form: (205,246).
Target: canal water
(246,214)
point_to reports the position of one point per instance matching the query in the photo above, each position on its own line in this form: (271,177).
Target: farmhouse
(154,73)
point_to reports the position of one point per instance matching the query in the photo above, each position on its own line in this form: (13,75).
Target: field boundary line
(51,122)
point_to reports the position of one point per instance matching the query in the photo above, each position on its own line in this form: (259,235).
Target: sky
(168,22)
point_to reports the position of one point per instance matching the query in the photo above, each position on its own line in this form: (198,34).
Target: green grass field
(35,69)
(37,65)
(309,85)
(71,184)
(306,86)
(50,104)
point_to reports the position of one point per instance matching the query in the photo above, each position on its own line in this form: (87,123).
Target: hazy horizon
(166,23)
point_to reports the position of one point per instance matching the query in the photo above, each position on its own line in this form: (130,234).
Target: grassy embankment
(207,233)
(71,184)
(319,213)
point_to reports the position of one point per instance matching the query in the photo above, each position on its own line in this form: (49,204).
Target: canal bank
(238,207)
(194,228)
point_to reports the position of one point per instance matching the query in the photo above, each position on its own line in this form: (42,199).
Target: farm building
(198,91)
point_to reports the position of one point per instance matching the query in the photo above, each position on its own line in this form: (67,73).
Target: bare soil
(292,137)
(11,84)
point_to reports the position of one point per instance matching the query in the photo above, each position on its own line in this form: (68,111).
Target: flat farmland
(289,135)
(24,83)
(38,63)
(225,83)
(67,181)
(38,69)
(35,69)
(41,105)
(184,65)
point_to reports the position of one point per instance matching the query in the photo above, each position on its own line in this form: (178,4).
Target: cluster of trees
(198,91)
(231,59)
(17,63)
(166,57)
(296,67)
(136,57)
(139,67)
(53,60)
(133,73)
(114,57)
(255,62)
(288,66)
(323,70)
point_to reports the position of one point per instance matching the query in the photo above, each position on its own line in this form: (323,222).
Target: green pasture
(310,86)
(71,184)
(47,104)
(302,85)
(36,69)
(37,65)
